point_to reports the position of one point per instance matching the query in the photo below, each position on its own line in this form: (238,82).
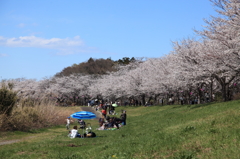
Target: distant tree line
(95,66)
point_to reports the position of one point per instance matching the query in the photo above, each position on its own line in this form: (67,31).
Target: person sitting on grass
(112,123)
(82,124)
(118,121)
(101,121)
(74,133)
(123,117)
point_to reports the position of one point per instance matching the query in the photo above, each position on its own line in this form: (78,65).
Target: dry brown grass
(34,117)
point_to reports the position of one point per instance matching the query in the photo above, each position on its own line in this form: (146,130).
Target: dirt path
(89,109)
(8,142)
(14,141)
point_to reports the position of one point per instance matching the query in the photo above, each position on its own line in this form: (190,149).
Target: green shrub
(7,100)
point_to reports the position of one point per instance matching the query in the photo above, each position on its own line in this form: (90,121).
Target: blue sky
(40,38)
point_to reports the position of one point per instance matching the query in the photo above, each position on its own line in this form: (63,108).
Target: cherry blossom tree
(222,42)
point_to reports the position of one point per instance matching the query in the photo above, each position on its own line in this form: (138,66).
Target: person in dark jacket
(82,124)
(112,123)
(101,121)
(123,117)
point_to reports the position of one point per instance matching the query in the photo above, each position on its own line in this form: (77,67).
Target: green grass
(208,131)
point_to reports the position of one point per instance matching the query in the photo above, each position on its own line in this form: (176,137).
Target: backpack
(90,134)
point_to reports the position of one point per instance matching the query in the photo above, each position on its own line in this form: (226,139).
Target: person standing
(68,123)
(82,124)
(104,112)
(161,101)
(207,96)
(170,101)
(89,103)
(181,100)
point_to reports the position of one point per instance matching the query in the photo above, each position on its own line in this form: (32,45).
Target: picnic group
(105,122)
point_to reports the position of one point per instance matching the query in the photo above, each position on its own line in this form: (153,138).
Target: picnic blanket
(102,128)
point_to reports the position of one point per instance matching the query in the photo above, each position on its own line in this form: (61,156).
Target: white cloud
(33,41)
(75,44)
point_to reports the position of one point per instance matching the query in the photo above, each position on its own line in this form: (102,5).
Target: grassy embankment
(179,132)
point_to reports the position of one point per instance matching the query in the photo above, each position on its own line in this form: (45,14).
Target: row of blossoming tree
(210,64)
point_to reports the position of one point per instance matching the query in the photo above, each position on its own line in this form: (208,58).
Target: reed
(35,116)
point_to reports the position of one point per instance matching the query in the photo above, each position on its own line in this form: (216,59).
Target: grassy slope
(189,131)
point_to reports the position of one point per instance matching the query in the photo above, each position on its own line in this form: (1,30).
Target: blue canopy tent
(83,115)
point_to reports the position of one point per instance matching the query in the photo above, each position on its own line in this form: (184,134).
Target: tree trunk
(143,99)
(225,91)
